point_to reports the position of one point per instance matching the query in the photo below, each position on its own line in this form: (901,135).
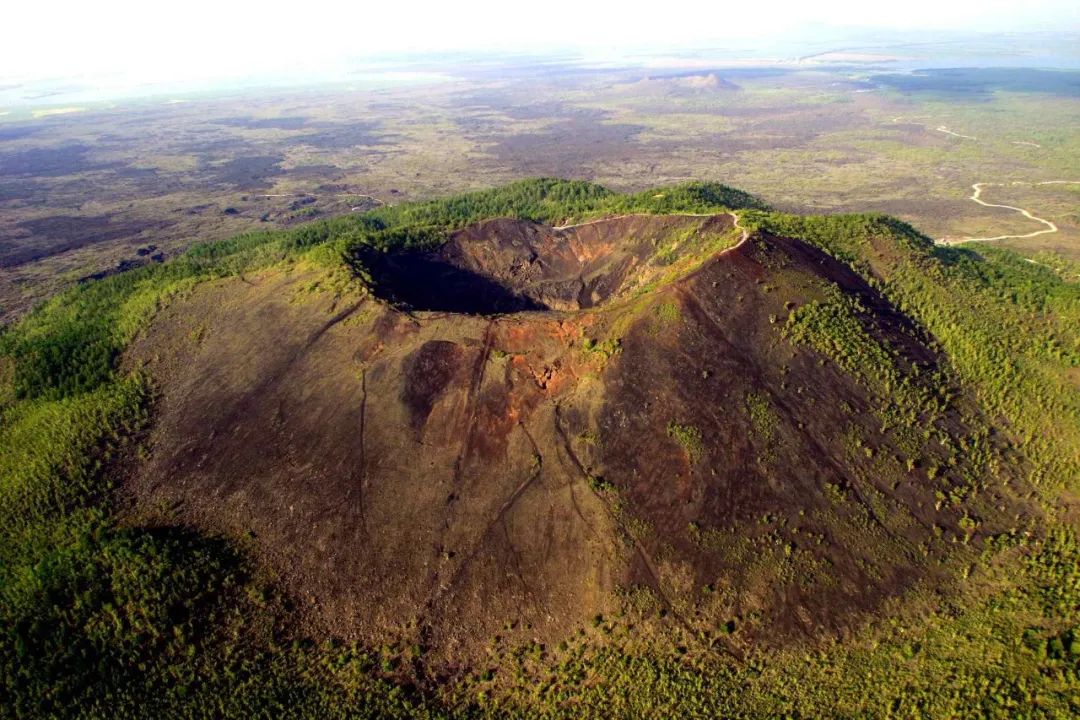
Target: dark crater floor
(506,265)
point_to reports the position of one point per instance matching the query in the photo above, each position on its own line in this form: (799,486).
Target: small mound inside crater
(506,265)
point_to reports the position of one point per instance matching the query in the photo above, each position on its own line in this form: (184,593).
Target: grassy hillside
(107,613)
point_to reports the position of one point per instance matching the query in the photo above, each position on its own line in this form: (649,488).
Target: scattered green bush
(689,437)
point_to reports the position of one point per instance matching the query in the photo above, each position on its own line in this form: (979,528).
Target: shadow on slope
(422,281)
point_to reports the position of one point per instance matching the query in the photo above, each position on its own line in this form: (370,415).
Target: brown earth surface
(613,414)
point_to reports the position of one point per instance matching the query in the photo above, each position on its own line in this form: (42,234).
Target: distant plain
(104,186)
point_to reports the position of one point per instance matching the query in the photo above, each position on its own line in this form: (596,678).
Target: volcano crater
(508,265)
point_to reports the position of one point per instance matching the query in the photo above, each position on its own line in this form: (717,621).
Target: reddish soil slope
(648,434)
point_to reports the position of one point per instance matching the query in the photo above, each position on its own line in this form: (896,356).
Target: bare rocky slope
(529,427)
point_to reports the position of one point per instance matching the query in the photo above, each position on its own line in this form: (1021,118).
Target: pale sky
(198,40)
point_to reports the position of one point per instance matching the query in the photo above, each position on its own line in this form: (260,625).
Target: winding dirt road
(978,187)
(947,131)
